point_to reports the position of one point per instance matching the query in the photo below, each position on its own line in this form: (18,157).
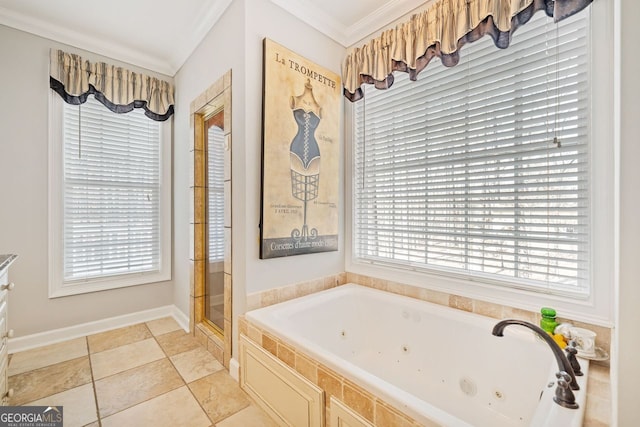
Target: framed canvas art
(300,155)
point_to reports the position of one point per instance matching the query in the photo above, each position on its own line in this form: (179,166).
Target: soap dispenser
(548,321)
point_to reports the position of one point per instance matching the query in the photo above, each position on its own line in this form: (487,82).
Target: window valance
(119,89)
(441,31)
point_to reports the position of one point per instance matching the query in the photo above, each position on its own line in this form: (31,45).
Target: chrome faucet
(566,376)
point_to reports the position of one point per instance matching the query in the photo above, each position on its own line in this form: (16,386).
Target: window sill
(104,284)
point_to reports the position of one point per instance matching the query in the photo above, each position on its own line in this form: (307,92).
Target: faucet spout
(563,362)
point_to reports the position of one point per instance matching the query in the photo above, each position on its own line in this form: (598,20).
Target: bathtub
(434,363)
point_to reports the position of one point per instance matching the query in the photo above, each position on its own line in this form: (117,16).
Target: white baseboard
(180,317)
(234,369)
(63,334)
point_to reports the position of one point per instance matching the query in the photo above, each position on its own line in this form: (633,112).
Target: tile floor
(149,374)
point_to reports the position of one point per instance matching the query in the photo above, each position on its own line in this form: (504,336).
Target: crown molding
(168,65)
(347,36)
(208,18)
(84,41)
(314,16)
(380,18)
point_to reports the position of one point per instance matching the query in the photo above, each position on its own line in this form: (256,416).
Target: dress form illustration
(304,155)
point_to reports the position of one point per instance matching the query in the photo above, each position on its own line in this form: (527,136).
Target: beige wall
(236,43)
(626,365)
(24,92)
(219,52)
(264,19)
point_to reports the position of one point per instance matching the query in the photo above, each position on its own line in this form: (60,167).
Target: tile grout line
(134,367)
(185,382)
(198,402)
(151,398)
(249,398)
(93,381)
(166,356)
(42,368)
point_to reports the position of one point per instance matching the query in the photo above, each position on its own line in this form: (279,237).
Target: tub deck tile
(359,400)
(307,367)
(287,355)
(385,415)
(331,384)
(270,344)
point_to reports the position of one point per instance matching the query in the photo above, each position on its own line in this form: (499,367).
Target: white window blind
(215,154)
(459,173)
(111,201)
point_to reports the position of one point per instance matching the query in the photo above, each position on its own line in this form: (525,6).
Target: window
(482,171)
(215,158)
(110,198)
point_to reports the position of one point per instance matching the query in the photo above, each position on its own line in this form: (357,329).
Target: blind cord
(556,141)
(80,131)
(364,139)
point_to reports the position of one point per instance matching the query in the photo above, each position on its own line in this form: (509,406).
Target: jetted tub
(434,363)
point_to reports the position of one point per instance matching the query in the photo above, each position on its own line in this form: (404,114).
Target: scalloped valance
(441,30)
(119,89)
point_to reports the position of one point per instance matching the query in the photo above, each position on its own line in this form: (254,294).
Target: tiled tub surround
(428,352)
(285,293)
(598,408)
(373,409)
